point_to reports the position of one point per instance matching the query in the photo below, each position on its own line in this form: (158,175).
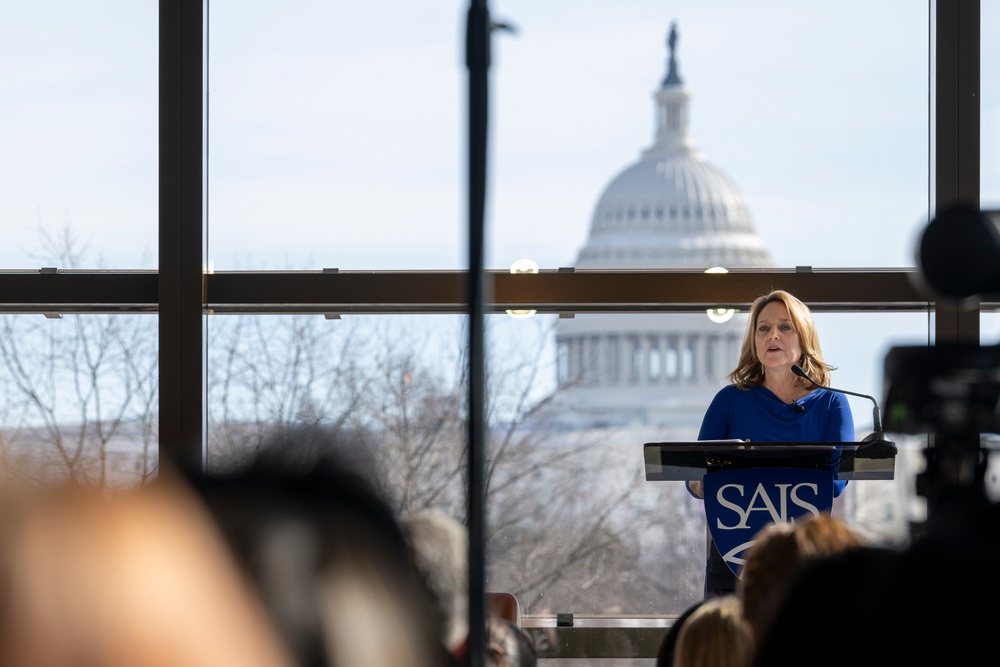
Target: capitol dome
(670,209)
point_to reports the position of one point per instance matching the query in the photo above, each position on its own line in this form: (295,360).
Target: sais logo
(738,503)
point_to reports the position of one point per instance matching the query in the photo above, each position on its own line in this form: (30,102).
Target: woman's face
(777,341)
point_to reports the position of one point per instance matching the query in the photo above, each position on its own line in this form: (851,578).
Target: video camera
(950,390)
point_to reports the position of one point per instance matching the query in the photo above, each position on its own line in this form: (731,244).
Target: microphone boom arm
(876,417)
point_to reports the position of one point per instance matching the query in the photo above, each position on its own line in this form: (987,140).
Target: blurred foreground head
(326,554)
(141,578)
(780,552)
(440,545)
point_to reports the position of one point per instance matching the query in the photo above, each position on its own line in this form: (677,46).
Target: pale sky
(337,130)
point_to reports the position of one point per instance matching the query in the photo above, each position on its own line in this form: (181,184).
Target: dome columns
(644,359)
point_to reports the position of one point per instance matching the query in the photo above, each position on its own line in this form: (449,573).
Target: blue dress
(758,415)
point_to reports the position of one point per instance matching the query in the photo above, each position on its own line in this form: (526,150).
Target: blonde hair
(715,635)
(779,553)
(750,373)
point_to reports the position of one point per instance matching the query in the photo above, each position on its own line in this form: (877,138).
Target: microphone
(876,436)
(876,418)
(796,407)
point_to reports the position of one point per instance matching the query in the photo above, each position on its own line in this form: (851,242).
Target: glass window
(335,138)
(78,155)
(833,139)
(78,398)
(334,135)
(341,126)
(396,383)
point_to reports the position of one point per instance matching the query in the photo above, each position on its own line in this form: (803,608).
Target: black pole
(180,226)
(477,57)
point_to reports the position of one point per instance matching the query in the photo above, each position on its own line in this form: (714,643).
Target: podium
(682,461)
(751,484)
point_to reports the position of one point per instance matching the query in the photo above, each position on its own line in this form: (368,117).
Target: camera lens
(958,255)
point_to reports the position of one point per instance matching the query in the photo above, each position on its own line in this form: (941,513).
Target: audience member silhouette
(440,546)
(287,562)
(779,553)
(508,645)
(327,555)
(906,607)
(668,645)
(715,635)
(140,578)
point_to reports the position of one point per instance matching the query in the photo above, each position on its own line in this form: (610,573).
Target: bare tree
(77,385)
(558,526)
(269,371)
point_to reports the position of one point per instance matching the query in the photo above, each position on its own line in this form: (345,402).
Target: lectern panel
(680,461)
